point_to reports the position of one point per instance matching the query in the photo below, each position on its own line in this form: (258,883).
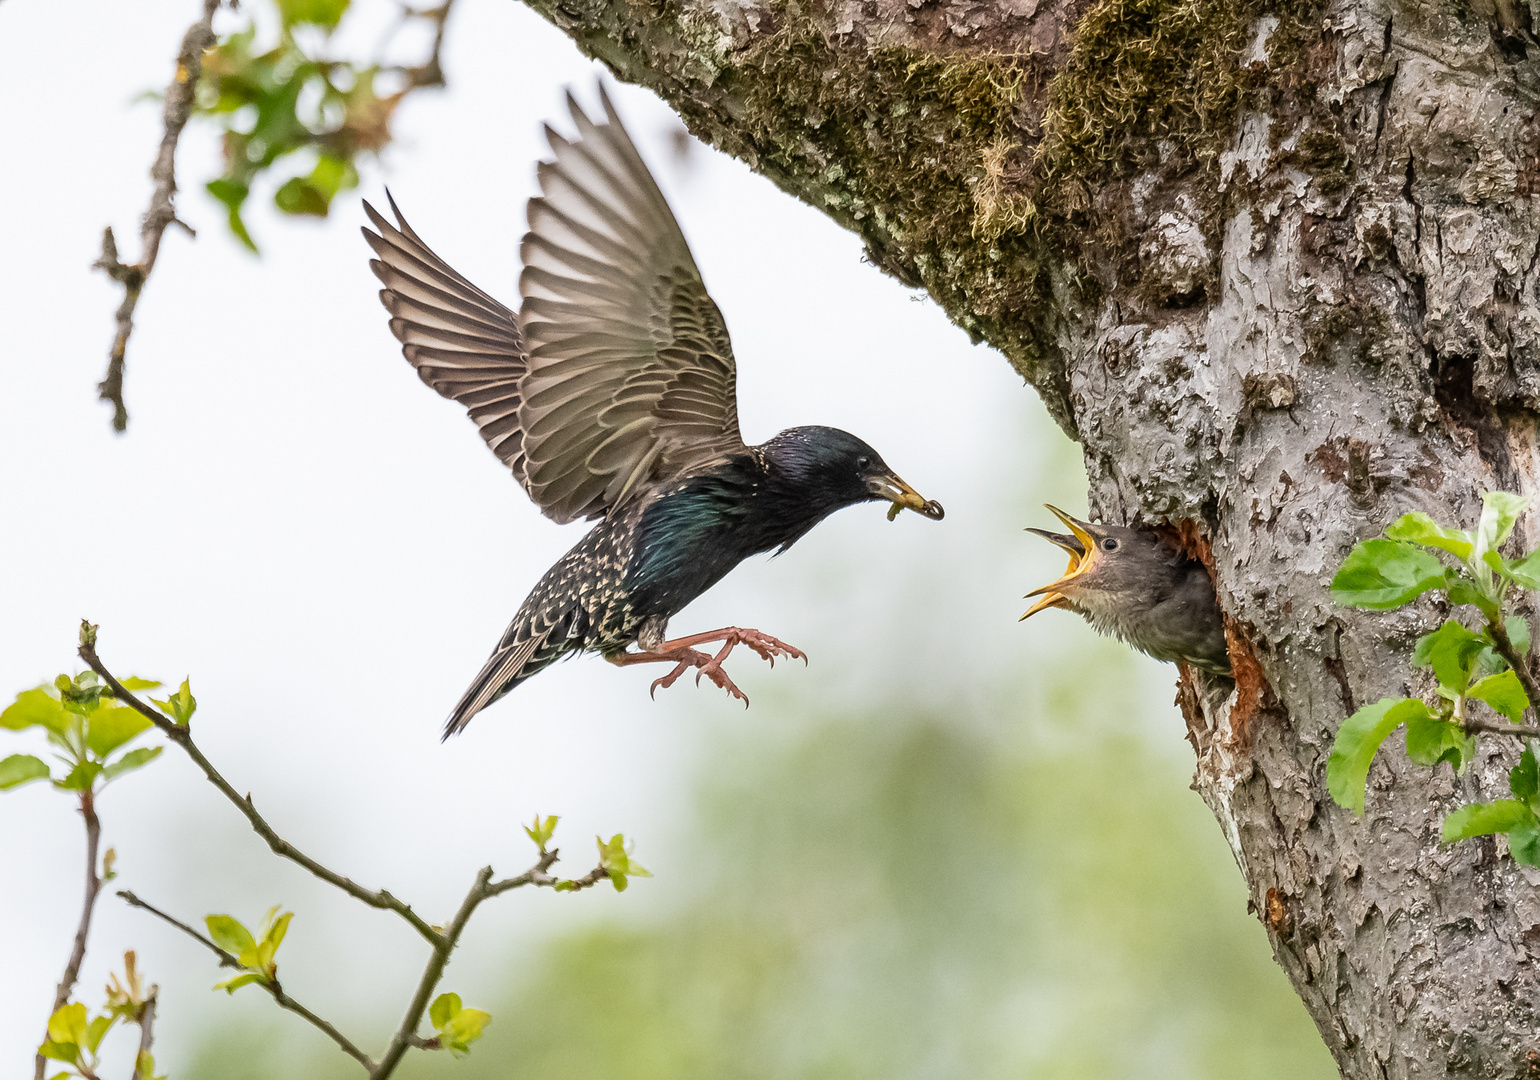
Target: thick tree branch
(162,210)
(93,887)
(272,986)
(182,736)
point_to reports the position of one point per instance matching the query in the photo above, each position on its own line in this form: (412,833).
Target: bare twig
(430,72)
(272,986)
(162,210)
(145,1018)
(182,736)
(93,886)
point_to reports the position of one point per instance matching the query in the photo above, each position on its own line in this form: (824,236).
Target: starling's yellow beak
(901,495)
(1082,553)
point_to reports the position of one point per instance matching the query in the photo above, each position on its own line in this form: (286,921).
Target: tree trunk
(1272,262)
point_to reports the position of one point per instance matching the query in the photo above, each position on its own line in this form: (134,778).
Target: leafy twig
(93,887)
(483,888)
(162,211)
(272,986)
(145,1018)
(1520,664)
(181,735)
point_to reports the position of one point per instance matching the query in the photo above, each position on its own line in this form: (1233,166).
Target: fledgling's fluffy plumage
(612,395)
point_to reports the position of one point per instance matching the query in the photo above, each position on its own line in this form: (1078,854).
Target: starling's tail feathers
(509,665)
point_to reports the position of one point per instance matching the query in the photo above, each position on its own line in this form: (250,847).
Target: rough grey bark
(1273,265)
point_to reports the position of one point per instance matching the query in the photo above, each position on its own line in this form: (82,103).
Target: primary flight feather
(612,395)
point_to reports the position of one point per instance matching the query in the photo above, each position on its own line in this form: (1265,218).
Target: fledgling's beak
(1081,546)
(901,495)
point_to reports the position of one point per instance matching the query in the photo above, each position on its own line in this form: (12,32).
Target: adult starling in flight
(611,395)
(1139,587)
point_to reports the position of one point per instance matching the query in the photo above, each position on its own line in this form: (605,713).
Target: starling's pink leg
(681,651)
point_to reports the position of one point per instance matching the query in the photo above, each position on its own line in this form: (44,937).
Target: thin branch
(272,986)
(1520,665)
(182,736)
(162,211)
(145,1018)
(430,72)
(482,889)
(93,887)
(1495,727)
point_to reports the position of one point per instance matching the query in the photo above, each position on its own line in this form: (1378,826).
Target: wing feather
(462,342)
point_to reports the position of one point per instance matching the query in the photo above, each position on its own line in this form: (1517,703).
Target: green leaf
(1462,590)
(463,1029)
(1358,740)
(1383,574)
(1524,572)
(180,706)
(110,727)
(1419,528)
(133,682)
(134,759)
(68,1024)
(54,1050)
(542,830)
(616,860)
(1504,693)
(230,986)
(1524,780)
(1518,633)
(1450,651)
(233,194)
(19,769)
(35,708)
(445,1008)
(313,194)
(1431,739)
(96,1030)
(81,777)
(1499,511)
(1480,819)
(320,12)
(1524,844)
(230,935)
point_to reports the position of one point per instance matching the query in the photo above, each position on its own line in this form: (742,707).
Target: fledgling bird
(1137,586)
(611,395)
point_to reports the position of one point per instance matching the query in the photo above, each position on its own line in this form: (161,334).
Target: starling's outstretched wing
(631,377)
(462,342)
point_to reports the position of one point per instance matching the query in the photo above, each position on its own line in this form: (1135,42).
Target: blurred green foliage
(285,100)
(906,894)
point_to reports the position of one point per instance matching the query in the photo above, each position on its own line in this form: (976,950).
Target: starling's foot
(684,656)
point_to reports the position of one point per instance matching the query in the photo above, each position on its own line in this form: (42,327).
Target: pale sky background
(329,550)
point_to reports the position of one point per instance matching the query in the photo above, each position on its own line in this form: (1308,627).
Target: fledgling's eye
(1109,544)
(863,463)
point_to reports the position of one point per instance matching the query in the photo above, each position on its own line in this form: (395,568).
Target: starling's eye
(1109,544)
(863,463)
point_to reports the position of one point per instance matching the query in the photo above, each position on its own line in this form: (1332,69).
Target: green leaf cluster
(254,952)
(74,1036)
(1518,817)
(617,862)
(87,727)
(542,830)
(1388,572)
(456,1025)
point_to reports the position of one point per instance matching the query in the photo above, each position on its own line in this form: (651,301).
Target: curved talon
(684,657)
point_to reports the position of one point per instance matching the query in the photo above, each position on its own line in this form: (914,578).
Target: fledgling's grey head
(1111,568)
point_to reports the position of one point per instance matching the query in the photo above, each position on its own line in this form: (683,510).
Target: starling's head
(833,468)
(1110,566)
